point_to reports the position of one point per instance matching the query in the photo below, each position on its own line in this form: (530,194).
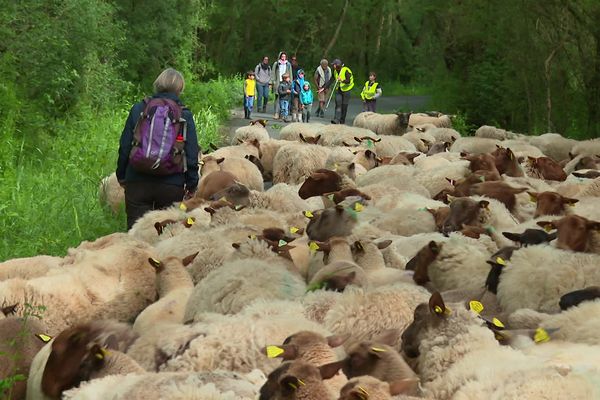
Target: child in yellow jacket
(370,93)
(249,92)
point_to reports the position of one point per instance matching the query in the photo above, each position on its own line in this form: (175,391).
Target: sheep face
(420,262)
(439,215)
(498,190)
(588,162)
(403,118)
(530,236)
(236,194)
(506,162)
(464,211)
(310,140)
(426,317)
(480,162)
(341,195)
(295,377)
(550,203)
(574,298)
(300,343)
(256,161)
(329,223)
(319,182)
(497,261)
(404,158)
(573,231)
(73,359)
(547,168)
(439,148)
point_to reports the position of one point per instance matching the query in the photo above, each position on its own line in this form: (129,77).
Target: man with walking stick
(343,79)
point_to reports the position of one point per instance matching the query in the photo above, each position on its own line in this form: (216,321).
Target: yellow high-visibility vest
(369,92)
(344,87)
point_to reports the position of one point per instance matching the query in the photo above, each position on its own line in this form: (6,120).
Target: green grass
(49,186)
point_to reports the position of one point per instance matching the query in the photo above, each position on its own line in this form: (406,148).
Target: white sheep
(475,145)
(295,161)
(28,267)
(292,132)
(441,121)
(251,147)
(537,276)
(491,132)
(114,280)
(587,148)
(250,132)
(111,193)
(553,145)
(228,289)
(383,124)
(244,170)
(443,134)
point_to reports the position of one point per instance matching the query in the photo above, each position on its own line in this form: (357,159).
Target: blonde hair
(170,81)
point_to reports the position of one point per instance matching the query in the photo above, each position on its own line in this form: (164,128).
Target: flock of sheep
(390,259)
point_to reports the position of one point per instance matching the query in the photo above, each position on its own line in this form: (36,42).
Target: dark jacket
(283,88)
(125,173)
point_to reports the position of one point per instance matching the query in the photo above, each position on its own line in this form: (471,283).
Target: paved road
(384,105)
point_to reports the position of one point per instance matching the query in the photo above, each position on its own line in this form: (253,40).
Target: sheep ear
(359,140)
(346,144)
(351,167)
(515,237)
(240,141)
(8,310)
(337,340)
(220,160)
(358,246)
(434,247)
(383,244)
(302,138)
(547,225)
(571,155)
(235,246)
(437,306)
(569,201)
(533,196)
(212,146)
(210,210)
(422,130)
(484,204)
(290,383)
(376,140)
(188,259)
(317,138)
(328,371)
(593,225)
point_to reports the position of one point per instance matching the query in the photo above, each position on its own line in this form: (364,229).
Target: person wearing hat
(280,67)
(296,90)
(345,82)
(322,76)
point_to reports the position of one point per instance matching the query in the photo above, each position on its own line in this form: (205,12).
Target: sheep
(20,341)
(421,140)
(575,233)
(298,380)
(553,145)
(491,132)
(522,148)
(78,354)
(380,360)
(28,267)
(249,147)
(384,124)
(457,336)
(249,133)
(311,347)
(536,277)
(577,324)
(545,168)
(371,388)
(294,161)
(576,297)
(174,285)
(390,146)
(235,342)
(214,385)
(244,171)
(111,193)
(342,135)
(107,278)
(444,134)
(366,314)
(213,183)
(586,147)
(170,221)
(441,120)
(474,145)
(228,289)
(293,131)
(269,149)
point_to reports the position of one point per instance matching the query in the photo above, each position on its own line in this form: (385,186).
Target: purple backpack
(159,138)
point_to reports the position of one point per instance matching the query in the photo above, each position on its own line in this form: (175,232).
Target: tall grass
(49,182)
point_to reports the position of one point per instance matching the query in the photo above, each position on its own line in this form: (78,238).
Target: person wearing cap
(280,67)
(322,76)
(345,82)
(370,93)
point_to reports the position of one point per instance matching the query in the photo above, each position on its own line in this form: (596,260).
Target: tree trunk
(337,30)
(548,75)
(379,34)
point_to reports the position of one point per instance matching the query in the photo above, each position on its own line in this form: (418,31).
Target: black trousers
(342,99)
(141,197)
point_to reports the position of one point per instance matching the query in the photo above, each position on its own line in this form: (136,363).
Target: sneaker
(276,116)
(333,121)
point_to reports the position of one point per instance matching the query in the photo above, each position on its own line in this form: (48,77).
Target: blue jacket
(127,174)
(306,96)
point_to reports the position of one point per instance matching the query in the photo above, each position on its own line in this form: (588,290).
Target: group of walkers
(293,92)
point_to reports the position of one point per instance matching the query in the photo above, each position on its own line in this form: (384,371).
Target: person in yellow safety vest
(344,79)
(370,93)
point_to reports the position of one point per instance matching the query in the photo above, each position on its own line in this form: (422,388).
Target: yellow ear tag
(252,237)
(541,336)
(313,246)
(190,221)
(497,323)
(335,167)
(447,311)
(358,207)
(238,207)
(438,310)
(532,199)
(101,354)
(476,306)
(282,243)
(44,338)
(500,261)
(155,261)
(308,214)
(571,204)
(293,229)
(182,207)
(364,392)
(331,196)
(378,349)
(223,198)
(274,351)
(548,228)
